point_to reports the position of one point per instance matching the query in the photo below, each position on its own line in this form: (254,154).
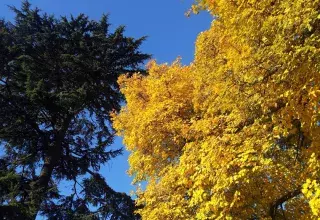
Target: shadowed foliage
(58,83)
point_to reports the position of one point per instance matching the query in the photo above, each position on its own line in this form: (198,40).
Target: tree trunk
(40,187)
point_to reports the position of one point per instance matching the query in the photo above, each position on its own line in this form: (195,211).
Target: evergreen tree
(58,84)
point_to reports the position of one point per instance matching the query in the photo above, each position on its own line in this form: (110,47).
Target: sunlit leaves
(236,133)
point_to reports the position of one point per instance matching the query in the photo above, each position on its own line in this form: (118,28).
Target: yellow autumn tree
(236,134)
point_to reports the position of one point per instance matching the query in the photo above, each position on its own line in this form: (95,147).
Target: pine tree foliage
(58,83)
(234,135)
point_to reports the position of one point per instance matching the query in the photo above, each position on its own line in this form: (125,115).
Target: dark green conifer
(58,83)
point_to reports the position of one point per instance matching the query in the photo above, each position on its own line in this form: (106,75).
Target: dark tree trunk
(40,187)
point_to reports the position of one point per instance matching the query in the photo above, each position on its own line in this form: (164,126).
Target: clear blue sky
(170,34)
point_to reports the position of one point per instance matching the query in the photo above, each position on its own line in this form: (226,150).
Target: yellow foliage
(236,134)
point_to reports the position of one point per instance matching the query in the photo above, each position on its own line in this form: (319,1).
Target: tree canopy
(58,83)
(235,134)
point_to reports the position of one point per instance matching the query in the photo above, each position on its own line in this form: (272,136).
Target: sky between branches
(170,34)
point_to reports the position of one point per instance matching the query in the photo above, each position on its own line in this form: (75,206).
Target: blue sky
(170,34)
